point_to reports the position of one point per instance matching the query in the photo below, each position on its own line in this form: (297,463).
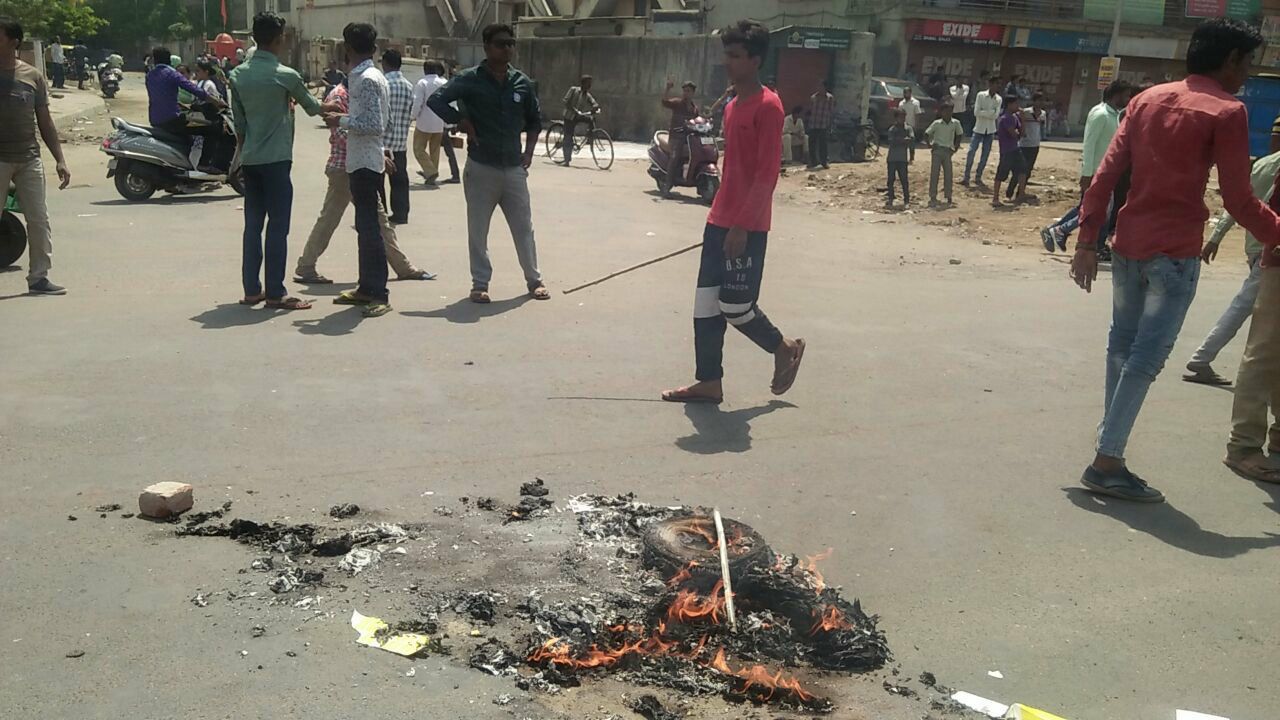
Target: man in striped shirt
(396,138)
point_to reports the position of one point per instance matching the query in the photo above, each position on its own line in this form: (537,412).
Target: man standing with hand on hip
(24,108)
(501,104)
(367,160)
(737,230)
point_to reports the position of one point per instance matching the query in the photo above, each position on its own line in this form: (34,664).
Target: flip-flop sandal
(350,297)
(1206,377)
(376,309)
(783,384)
(254,300)
(540,293)
(480,297)
(682,395)
(1252,472)
(312,280)
(289,303)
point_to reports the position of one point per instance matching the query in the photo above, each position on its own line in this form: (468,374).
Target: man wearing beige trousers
(336,201)
(1258,384)
(429,132)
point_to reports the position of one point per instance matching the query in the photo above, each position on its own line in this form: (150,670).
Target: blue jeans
(268,200)
(985,141)
(1150,301)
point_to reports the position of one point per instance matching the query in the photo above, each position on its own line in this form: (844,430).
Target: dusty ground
(858,191)
(948,399)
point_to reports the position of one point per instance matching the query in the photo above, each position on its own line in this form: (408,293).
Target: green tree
(47,18)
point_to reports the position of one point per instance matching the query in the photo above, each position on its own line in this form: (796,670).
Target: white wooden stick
(724,571)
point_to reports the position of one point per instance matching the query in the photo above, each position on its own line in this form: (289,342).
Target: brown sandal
(540,293)
(251,300)
(1251,468)
(784,381)
(289,303)
(480,297)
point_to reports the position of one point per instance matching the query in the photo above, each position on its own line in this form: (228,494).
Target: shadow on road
(325,290)
(342,322)
(180,199)
(716,431)
(465,312)
(229,315)
(1170,525)
(676,196)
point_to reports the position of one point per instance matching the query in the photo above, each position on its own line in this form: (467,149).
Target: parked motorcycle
(702,156)
(146,159)
(13,234)
(109,79)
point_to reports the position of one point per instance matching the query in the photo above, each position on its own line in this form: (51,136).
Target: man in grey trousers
(501,104)
(1200,368)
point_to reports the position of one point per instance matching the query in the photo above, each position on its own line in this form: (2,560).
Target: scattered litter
(650,234)
(290,579)
(504,698)
(88,215)
(376,633)
(107,508)
(443,511)
(534,489)
(648,706)
(344,511)
(481,605)
(994,673)
(956,261)
(75,653)
(263,564)
(411,672)
(853,512)
(990,708)
(359,559)
(244,653)
(896,689)
(494,658)
(72,518)
(199,600)
(1191,715)
(257,631)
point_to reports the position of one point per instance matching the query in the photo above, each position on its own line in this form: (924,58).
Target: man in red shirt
(1185,128)
(733,243)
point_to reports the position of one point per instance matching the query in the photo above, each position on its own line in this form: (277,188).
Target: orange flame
(689,605)
(757,677)
(684,576)
(829,620)
(812,566)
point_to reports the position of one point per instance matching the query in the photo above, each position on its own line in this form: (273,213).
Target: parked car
(885,95)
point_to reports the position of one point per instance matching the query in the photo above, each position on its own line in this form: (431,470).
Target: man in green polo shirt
(501,103)
(261,90)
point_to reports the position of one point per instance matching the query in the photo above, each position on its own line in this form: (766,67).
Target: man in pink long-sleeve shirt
(1185,128)
(733,243)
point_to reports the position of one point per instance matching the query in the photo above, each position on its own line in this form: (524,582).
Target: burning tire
(688,544)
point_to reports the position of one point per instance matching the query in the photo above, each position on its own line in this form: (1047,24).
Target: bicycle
(599,142)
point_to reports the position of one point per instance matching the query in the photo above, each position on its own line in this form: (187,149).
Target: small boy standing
(901,138)
(943,136)
(1012,164)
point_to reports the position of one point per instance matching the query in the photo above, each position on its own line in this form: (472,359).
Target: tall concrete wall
(392,18)
(630,74)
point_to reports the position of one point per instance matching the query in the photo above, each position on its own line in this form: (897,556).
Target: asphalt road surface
(951,406)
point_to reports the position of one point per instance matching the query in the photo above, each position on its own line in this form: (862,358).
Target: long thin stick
(637,266)
(724,571)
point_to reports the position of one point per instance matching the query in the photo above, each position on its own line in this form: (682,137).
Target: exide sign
(959,32)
